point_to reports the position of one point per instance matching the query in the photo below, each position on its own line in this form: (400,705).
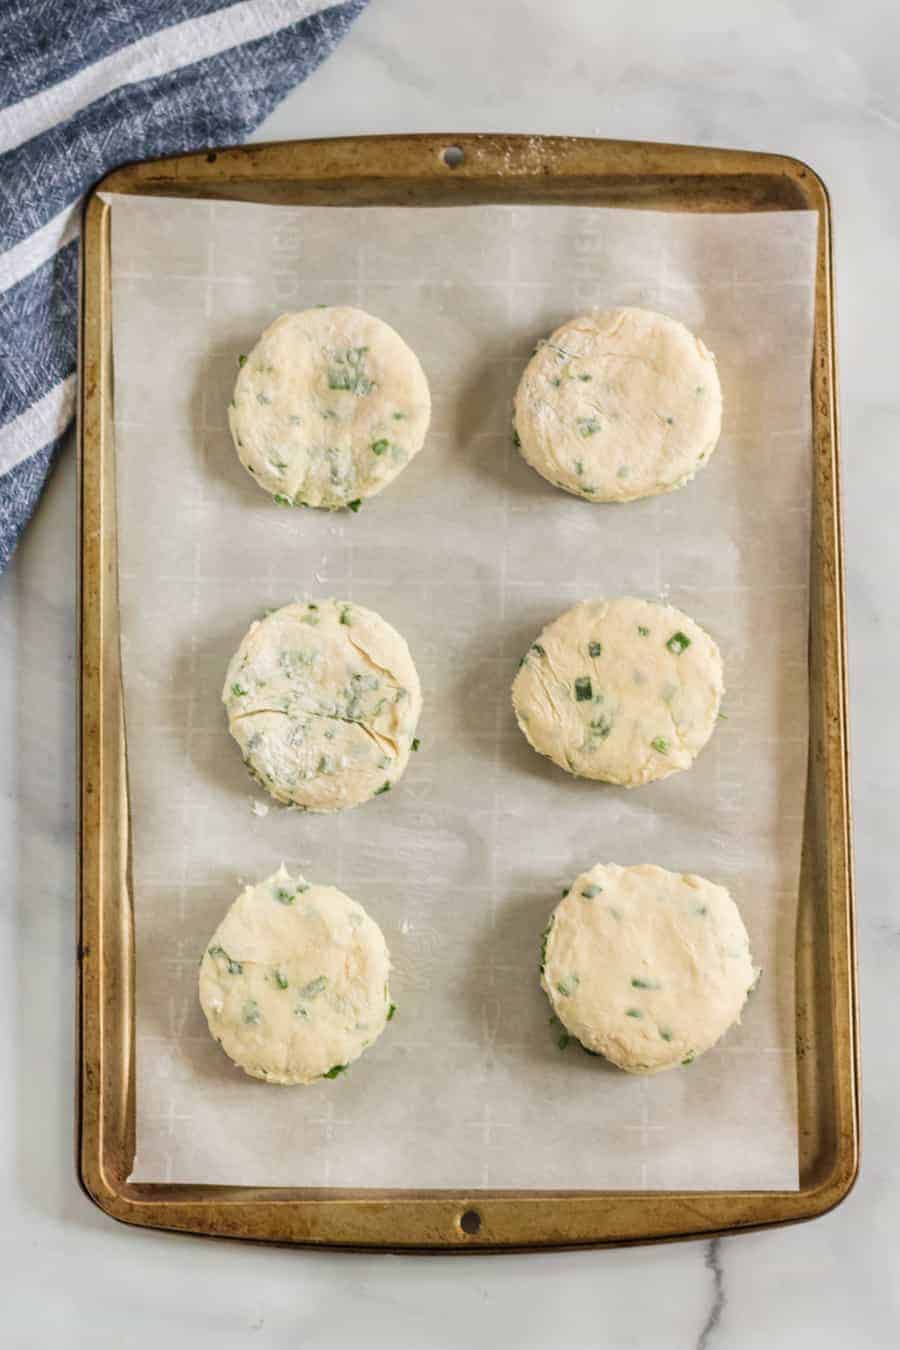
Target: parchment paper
(468,554)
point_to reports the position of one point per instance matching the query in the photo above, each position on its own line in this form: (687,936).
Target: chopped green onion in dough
(638,980)
(587,410)
(292,992)
(647,709)
(328,408)
(327,707)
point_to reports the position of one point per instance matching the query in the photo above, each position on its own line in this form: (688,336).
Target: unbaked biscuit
(294,981)
(624,691)
(647,967)
(323,699)
(619,405)
(328,407)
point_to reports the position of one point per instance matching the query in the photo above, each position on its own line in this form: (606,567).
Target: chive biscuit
(646,967)
(294,981)
(328,408)
(619,405)
(323,700)
(624,691)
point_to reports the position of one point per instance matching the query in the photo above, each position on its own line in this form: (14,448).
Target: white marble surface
(758,74)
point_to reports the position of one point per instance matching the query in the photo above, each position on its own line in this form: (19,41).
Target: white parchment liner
(468,554)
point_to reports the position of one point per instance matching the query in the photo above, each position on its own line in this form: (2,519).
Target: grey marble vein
(712,1260)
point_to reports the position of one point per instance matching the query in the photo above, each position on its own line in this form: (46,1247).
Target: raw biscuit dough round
(329,407)
(645,966)
(294,981)
(624,691)
(323,699)
(619,405)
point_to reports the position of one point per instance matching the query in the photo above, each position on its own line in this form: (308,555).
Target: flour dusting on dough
(294,981)
(622,691)
(647,967)
(619,405)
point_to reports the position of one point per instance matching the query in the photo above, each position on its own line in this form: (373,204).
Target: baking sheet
(469,553)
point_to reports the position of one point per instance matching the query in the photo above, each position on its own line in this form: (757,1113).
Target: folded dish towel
(83,89)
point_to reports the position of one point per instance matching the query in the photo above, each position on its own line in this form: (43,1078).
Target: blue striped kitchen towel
(87,85)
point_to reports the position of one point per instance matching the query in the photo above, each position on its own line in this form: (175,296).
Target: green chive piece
(316,986)
(281,500)
(583,690)
(354,506)
(251,1013)
(591,892)
(234,967)
(284,897)
(660,745)
(385,787)
(678,643)
(416,743)
(538,649)
(568,985)
(390,1012)
(587,426)
(595,648)
(633,1012)
(564,1039)
(638,982)
(281,980)
(516,439)
(333,1072)
(379,447)
(348,372)
(644,632)
(242,360)
(689,1059)
(239,691)
(345,616)
(545,938)
(665,1033)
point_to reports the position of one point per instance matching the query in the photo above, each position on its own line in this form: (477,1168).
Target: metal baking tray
(459,170)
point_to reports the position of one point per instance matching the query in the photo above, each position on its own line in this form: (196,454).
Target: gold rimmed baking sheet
(407,171)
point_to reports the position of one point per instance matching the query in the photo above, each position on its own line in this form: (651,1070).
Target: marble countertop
(762,75)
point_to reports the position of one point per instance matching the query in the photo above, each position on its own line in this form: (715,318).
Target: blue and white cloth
(85,86)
